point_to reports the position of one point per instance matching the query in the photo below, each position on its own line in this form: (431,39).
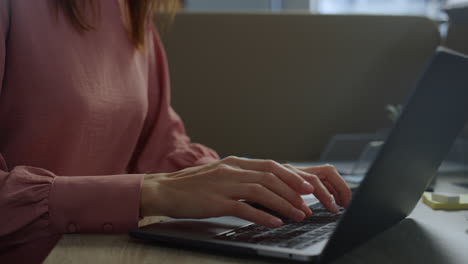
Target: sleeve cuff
(95,204)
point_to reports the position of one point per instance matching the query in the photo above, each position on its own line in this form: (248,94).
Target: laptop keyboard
(294,235)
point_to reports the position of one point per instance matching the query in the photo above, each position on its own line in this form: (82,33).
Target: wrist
(149,200)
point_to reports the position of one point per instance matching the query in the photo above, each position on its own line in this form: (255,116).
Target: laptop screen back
(418,143)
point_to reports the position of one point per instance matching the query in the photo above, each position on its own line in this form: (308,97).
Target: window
(402,7)
(413,7)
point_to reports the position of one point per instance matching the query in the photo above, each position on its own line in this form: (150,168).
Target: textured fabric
(82,117)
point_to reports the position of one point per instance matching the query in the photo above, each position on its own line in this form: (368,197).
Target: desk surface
(427,236)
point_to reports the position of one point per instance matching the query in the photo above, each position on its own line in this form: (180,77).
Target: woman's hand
(215,190)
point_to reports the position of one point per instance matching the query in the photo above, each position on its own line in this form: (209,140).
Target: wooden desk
(427,236)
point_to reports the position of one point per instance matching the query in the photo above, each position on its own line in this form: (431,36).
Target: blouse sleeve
(164,145)
(36,203)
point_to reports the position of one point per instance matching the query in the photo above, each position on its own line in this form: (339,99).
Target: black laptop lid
(420,140)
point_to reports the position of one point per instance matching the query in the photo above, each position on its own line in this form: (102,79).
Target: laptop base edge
(220,249)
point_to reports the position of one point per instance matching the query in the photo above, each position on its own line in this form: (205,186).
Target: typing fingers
(322,193)
(291,178)
(259,194)
(329,174)
(247,212)
(265,179)
(331,190)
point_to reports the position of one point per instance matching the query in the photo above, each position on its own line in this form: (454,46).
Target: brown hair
(138,11)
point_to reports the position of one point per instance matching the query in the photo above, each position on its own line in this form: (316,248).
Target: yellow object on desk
(462,203)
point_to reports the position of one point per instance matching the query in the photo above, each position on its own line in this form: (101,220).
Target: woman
(85,94)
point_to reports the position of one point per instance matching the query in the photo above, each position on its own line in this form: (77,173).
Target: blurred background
(304,75)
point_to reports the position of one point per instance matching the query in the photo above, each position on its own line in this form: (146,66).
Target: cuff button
(72,228)
(108,227)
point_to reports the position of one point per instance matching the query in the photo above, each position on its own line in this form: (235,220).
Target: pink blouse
(82,117)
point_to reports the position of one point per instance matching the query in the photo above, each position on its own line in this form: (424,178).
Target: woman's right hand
(215,190)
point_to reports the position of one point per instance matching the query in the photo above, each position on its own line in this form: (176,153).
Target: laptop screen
(432,118)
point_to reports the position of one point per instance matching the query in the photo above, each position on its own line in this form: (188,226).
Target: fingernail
(308,187)
(276,222)
(335,206)
(306,210)
(298,215)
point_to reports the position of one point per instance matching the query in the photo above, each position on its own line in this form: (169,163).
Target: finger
(322,193)
(332,191)
(323,188)
(268,180)
(287,176)
(299,172)
(271,182)
(306,209)
(331,175)
(263,196)
(247,212)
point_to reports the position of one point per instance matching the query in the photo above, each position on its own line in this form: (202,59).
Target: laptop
(432,118)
